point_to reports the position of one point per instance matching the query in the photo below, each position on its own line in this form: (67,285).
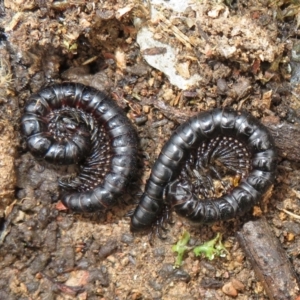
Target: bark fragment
(269,260)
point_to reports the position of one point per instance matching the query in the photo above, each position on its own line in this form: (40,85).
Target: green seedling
(211,248)
(181,247)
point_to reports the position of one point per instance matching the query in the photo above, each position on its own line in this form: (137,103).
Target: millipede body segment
(215,166)
(71,123)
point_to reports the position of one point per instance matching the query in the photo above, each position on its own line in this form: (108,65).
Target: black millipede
(204,148)
(71,123)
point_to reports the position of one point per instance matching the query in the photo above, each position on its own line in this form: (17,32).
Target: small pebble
(108,248)
(124,262)
(229,290)
(127,238)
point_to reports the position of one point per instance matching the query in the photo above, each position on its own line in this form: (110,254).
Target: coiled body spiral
(72,123)
(205,147)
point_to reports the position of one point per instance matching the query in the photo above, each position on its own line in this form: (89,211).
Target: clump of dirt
(8,144)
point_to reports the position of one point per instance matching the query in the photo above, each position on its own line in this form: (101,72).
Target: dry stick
(269,261)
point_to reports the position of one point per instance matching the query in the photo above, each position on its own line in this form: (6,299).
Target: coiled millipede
(72,123)
(204,148)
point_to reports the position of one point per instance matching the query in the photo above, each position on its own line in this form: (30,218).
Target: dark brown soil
(49,253)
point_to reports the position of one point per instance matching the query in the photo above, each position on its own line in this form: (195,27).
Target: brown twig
(269,260)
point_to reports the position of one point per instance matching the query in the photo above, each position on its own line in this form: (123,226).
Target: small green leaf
(211,248)
(221,248)
(181,247)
